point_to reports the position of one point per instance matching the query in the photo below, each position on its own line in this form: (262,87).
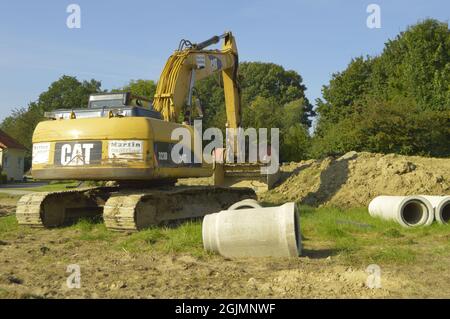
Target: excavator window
(106,103)
(108,100)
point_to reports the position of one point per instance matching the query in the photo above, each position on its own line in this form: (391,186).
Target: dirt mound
(356,178)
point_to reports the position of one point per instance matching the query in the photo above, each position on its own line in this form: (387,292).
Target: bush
(295,144)
(397,126)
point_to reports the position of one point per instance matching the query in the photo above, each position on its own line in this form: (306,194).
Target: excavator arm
(190,63)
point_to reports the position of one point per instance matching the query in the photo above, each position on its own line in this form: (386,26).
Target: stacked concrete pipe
(408,211)
(441,206)
(253,232)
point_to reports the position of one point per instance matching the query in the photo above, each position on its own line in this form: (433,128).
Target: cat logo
(76,154)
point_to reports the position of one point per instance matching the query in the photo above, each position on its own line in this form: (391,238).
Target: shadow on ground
(318,253)
(331,181)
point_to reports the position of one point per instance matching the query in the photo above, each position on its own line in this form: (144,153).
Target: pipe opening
(445,212)
(414,213)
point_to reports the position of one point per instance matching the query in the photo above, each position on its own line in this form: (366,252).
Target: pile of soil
(356,178)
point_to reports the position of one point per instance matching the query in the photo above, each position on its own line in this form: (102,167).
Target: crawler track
(126,209)
(134,211)
(52,209)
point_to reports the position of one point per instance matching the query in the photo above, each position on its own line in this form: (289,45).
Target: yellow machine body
(81,149)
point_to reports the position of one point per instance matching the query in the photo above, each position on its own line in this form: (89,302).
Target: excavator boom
(188,65)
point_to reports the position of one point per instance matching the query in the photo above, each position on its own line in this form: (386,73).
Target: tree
(140,87)
(295,144)
(270,80)
(268,113)
(406,86)
(65,93)
(256,79)
(345,88)
(416,64)
(21,123)
(263,113)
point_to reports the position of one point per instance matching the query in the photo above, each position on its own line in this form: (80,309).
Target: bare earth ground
(170,263)
(33,265)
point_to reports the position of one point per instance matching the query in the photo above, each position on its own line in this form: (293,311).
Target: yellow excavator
(127,139)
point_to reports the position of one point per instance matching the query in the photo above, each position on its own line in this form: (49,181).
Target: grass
(8,224)
(185,238)
(93,230)
(357,238)
(351,236)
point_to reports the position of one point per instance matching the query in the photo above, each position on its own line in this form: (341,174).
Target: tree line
(396,102)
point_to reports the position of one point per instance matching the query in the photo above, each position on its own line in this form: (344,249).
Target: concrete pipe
(246,203)
(408,211)
(441,205)
(257,232)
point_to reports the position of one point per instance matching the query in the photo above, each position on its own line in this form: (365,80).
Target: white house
(12,155)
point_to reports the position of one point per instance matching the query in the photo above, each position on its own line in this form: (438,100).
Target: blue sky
(121,40)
